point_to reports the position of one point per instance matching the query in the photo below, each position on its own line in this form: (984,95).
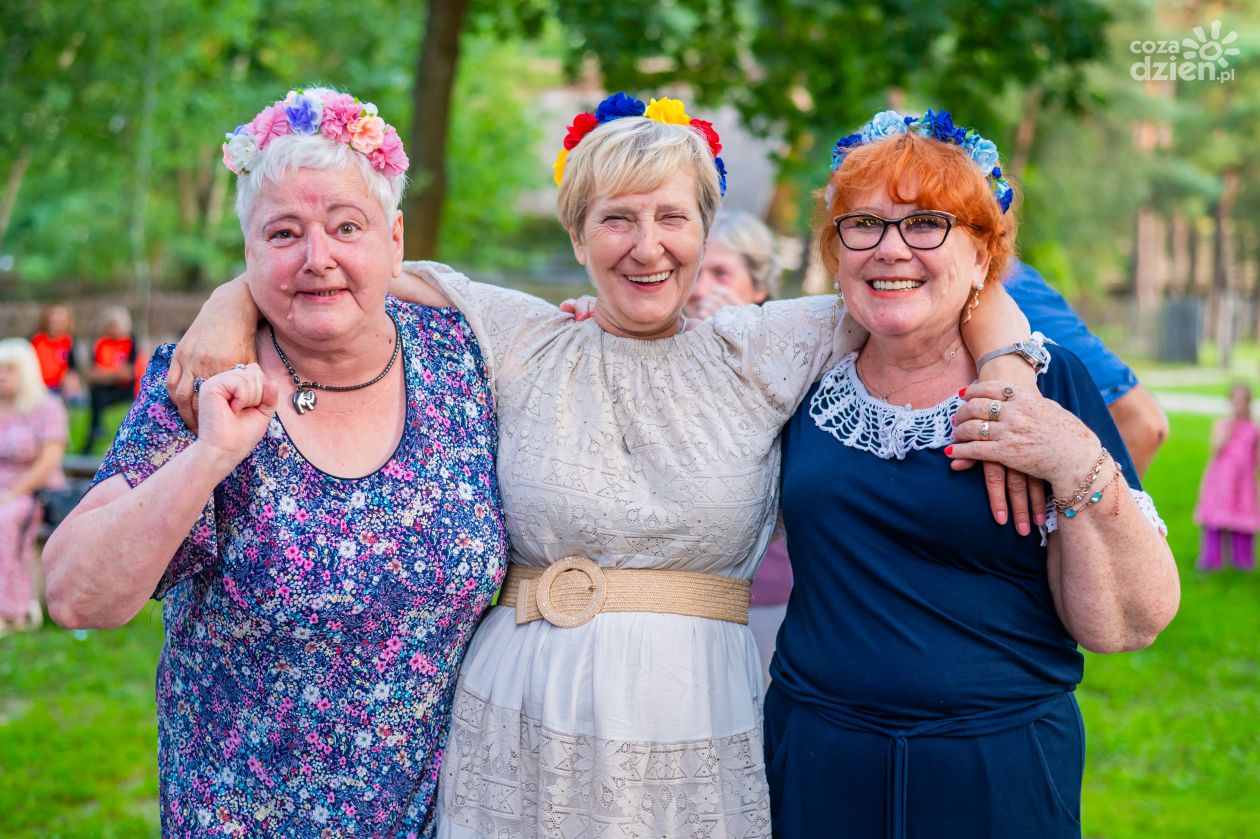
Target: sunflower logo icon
(1213,49)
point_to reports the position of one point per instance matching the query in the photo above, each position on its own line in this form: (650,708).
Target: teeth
(649,278)
(327,293)
(895,285)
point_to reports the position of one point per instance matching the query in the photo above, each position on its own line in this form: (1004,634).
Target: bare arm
(1142,424)
(222,335)
(1112,575)
(36,476)
(105,560)
(416,289)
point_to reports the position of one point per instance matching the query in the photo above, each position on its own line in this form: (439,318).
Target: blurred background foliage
(109,160)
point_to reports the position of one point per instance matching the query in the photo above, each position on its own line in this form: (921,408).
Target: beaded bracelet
(1066,502)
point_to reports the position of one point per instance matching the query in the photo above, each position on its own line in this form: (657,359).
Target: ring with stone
(995,410)
(239,367)
(1008,392)
(197,383)
(984,430)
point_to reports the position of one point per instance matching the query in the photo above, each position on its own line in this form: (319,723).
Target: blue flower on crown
(721,170)
(939,125)
(303,112)
(619,105)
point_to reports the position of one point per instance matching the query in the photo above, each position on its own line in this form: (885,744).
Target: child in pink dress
(1227,498)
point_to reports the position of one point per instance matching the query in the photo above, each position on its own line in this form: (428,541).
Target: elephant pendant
(303,400)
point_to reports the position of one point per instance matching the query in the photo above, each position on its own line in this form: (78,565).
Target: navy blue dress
(923,683)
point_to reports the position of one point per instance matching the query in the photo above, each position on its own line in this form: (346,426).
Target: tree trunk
(17,173)
(1222,268)
(1024,134)
(430,124)
(144,170)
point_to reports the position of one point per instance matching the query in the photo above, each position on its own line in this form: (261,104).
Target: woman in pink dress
(1227,499)
(32,441)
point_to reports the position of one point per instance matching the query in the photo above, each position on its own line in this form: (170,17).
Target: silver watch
(1032,349)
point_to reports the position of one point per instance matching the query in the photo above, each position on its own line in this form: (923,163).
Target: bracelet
(1032,349)
(1097,496)
(1064,503)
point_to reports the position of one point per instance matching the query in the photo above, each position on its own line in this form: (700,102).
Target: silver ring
(197,383)
(1008,392)
(995,410)
(984,430)
(239,367)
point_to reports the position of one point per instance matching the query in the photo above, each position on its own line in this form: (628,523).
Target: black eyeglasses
(923,230)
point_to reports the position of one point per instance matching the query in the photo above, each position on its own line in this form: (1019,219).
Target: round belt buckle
(597,587)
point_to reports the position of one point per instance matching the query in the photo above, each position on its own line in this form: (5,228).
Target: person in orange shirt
(54,347)
(112,375)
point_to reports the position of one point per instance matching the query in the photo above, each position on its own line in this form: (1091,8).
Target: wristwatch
(1032,349)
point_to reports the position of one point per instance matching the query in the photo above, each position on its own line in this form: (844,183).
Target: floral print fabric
(314,624)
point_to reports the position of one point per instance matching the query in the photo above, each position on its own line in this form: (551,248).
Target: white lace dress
(637,454)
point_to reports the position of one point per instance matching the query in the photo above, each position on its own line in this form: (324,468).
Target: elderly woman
(615,687)
(923,684)
(318,596)
(33,436)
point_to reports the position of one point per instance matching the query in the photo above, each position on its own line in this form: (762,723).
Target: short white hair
(20,355)
(287,153)
(631,155)
(748,236)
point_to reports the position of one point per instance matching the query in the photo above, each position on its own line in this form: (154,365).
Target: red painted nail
(953,420)
(949,450)
(962,392)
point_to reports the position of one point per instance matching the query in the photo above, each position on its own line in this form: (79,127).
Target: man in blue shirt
(1141,422)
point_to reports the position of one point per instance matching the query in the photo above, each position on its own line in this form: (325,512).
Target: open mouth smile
(649,279)
(894,285)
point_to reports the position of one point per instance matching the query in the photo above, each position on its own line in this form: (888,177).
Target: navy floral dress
(314,624)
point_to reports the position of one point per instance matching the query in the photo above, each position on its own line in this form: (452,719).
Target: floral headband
(940,126)
(338,116)
(661,110)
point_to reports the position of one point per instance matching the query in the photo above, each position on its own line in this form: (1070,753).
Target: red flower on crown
(583,124)
(706,129)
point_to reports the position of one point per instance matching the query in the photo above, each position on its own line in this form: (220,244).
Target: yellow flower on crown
(667,110)
(559,165)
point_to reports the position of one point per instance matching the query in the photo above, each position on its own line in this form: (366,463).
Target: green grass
(1174,731)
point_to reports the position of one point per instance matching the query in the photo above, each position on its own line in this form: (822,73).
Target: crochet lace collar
(843,408)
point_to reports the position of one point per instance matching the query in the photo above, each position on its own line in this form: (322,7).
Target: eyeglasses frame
(950,221)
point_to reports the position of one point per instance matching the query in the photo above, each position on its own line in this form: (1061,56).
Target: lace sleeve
(784,346)
(508,324)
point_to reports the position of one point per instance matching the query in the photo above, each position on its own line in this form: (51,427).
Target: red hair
(944,178)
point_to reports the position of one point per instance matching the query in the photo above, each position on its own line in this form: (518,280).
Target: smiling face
(321,253)
(642,253)
(897,291)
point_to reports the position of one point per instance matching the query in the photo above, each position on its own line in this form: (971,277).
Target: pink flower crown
(624,105)
(338,116)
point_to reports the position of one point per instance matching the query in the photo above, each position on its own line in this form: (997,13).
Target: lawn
(1174,731)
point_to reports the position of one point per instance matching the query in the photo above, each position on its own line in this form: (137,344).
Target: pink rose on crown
(269,124)
(367,134)
(389,156)
(340,110)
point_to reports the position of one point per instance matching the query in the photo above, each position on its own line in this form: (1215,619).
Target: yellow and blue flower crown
(938,125)
(624,105)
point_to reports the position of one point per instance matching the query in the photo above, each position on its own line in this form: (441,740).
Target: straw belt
(573,590)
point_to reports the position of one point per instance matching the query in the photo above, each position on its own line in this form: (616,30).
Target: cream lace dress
(636,454)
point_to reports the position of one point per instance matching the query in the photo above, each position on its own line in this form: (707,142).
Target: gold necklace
(872,389)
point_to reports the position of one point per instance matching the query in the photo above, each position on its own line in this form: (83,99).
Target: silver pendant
(303,400)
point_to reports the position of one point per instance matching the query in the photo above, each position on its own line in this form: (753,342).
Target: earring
(839,293)
(972,302)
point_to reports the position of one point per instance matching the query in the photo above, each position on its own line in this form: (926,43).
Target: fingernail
(953,420)
(1000,517)
(949,450)
(1023,528)
(962,392)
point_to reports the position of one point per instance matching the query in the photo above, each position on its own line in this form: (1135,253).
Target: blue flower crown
(938,125)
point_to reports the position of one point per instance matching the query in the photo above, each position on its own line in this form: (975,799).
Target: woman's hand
(236,406)
(581,308)
(718,297)
(221,336)
(1026,432)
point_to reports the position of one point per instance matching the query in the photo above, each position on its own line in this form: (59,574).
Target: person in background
(54,347)
(1141,421)
(112,374)
(1227,498)
(33,435)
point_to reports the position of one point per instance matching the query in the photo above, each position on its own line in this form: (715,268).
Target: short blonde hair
(20,355)
(632,155)
(748,236)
